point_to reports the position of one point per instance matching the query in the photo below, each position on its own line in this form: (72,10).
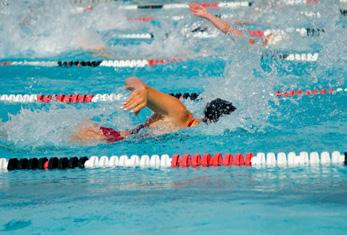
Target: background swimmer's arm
(220,24)
(97,49)
(101,52)
(159,102)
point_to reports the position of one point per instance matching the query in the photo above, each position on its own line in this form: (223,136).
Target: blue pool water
(234,200)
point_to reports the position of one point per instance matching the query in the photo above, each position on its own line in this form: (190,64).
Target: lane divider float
(260,159)
(300,2)
(300,57)
(100,63)
(170,6)
(111,97)
(233,4)
(134,36)
(311,14)
(174,18)
(310,92)
(78,98)
(304,32)
(293,57)
(230,5)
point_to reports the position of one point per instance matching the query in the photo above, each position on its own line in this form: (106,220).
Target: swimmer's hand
(134,83)
(138,99)
(198,10)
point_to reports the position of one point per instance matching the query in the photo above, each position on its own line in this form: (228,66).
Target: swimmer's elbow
(225,29)
(182,114)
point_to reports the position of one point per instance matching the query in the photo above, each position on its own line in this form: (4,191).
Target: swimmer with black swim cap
(170,115)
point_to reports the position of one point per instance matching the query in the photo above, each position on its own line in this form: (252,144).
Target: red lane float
(206,160)
(301,92)
(71,98)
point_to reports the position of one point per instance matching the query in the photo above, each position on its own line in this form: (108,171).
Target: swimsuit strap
(137,129)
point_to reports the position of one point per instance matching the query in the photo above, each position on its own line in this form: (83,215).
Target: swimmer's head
(217,108)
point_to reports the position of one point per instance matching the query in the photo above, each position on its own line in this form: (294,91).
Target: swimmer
(170,115)
(223,26)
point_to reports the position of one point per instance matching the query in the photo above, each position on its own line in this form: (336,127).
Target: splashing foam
(250,95)
(54,127)
(49,28)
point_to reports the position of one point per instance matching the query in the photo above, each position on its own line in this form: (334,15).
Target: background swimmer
(201,11)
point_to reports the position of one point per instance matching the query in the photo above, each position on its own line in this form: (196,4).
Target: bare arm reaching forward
(220,24)
(159,102)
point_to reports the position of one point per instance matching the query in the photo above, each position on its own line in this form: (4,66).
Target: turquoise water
(302,200)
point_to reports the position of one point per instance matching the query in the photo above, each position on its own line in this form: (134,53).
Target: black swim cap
(217,108)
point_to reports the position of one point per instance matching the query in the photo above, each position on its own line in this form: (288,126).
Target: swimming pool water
(243,200)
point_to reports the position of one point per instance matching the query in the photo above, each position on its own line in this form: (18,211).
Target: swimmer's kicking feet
(223,26)
(170,115)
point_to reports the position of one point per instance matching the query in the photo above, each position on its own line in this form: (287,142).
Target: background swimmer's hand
(198,10)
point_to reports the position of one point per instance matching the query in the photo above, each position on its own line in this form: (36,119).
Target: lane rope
(299,57)
(234,4)
(170,6)
(258,160)
(98,63)
(312,14)
(304,32)
(230,5)
(310,92)
(111,97)
(300,2)
(77,98)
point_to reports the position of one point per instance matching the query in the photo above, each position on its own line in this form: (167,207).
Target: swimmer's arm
(96,49)
(220,24)
(166,105)
(100,52)
(223,26)
(160,103)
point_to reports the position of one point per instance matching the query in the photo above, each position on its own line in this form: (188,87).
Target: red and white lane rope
(260,159)
(304,32)
(310,14)
(300,57)
(174,18)
(62,98)
(230,5)
(170,6)
(111,97)
(299,2)
(101,63)
(310,92)
(77,98)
